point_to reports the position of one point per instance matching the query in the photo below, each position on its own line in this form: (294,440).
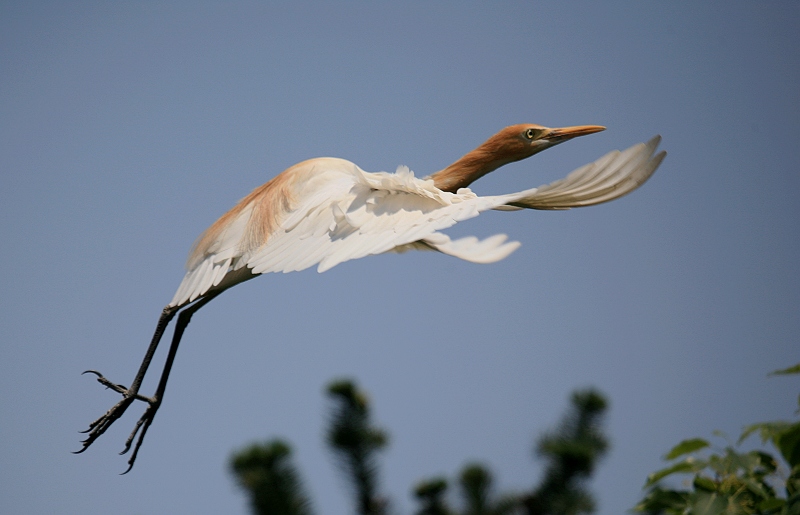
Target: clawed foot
(99,426)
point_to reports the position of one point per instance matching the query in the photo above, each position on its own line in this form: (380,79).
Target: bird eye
(533,133)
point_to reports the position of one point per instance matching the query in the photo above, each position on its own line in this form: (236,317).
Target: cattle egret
(326,211)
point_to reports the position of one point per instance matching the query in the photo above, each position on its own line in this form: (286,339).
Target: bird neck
(468,169)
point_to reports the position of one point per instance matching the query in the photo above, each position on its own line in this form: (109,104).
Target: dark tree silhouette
(272,483)
(476,491)
(355,443)
(572,452)
(430,494)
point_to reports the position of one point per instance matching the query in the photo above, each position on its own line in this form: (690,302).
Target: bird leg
(99,426)
(155,402)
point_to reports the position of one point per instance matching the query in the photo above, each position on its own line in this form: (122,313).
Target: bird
(325,211)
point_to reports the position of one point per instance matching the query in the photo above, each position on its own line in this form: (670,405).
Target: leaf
(704,483)
(720,434)
(685,447)
(785,436)
(788,442)
(766,460)
(771,504)
(786,371)
(768,431)
(748,461)
(793,485)
(721,465)
(682,467)
(756,488)
(663,501)
(708,504)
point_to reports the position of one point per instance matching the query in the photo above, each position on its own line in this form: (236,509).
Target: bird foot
(99,426)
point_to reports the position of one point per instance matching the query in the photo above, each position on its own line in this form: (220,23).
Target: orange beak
(565,133)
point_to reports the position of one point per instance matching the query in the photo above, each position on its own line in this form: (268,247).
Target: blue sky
(126,129)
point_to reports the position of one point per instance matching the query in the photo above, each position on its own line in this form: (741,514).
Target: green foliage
(476,491)
(264,472)
(732,482)
(475,482)
(685,447)
(786,371)
(355,443)
(572,452)
(430,494)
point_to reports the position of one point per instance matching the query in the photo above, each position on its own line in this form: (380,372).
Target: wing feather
(610,177)
(374,213)
(470,248)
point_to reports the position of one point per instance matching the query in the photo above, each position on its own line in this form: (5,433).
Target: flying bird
(325,211)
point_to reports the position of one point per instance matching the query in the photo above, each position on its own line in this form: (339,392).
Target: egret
(325,211)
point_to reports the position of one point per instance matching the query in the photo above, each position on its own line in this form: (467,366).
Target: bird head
(511,144)
(524,140)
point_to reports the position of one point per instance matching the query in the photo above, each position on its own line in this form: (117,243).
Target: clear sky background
(127,128)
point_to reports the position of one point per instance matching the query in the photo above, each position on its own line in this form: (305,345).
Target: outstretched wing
(610,177)
(334,212)
(378,213)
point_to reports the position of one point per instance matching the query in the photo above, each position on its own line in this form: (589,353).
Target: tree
(273,484)
(729,481)
(572,452)
(430,494)
(475,481)
(355,442)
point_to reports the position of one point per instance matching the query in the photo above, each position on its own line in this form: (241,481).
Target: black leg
(99,426)
(155,402)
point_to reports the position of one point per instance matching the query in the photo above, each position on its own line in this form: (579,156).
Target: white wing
(375,213)
(342,213)
(610,177)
